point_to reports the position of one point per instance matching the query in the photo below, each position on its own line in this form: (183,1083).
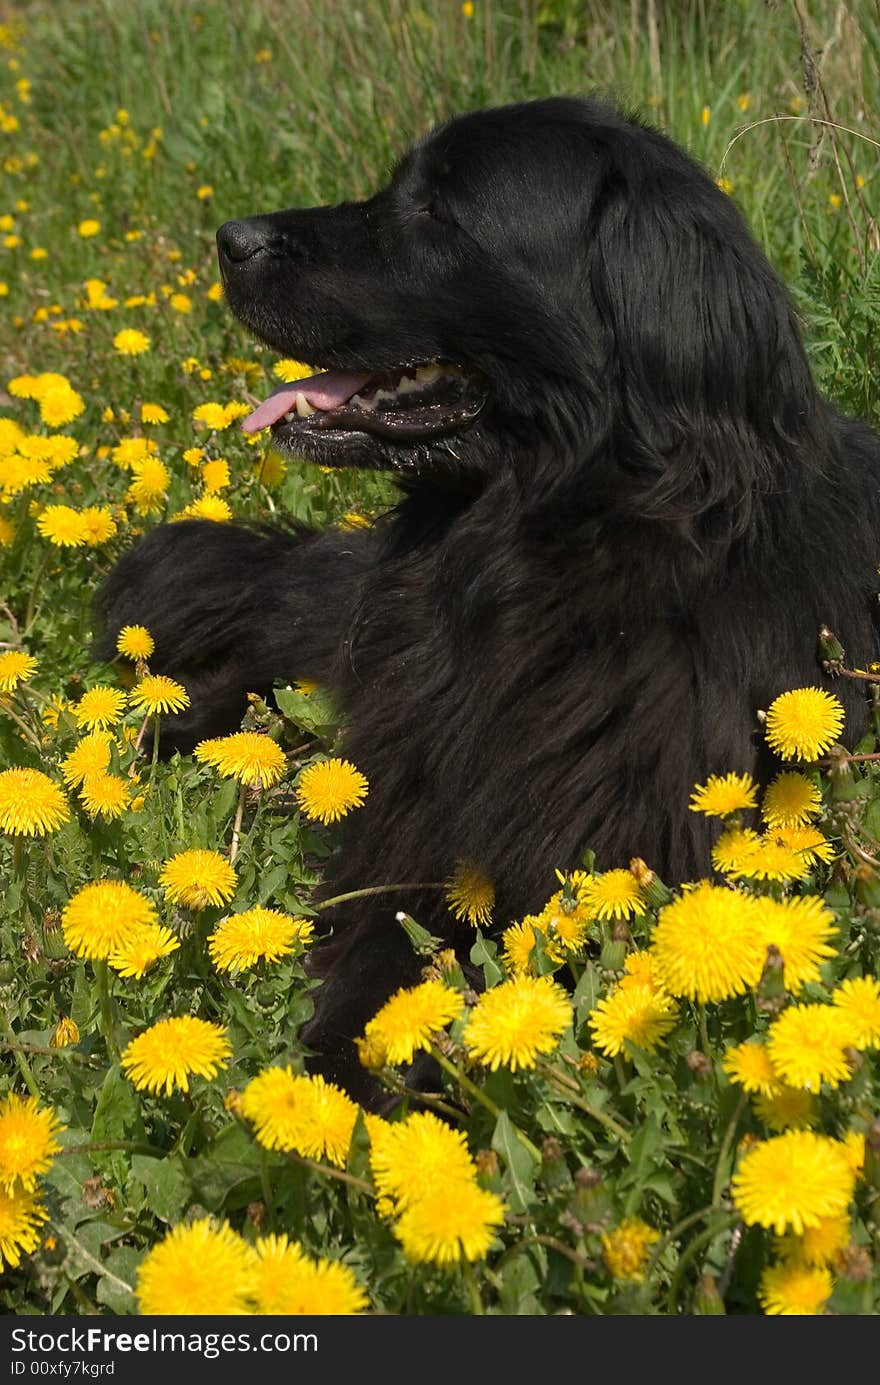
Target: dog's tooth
(408,384)
(382,394)
(360,403)
(427,374)
(303,407)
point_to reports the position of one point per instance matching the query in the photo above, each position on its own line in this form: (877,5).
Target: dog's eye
(434,212)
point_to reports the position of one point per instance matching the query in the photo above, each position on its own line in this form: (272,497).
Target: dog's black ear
(701,351)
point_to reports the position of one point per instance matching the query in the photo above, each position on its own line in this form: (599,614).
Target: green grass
(160,120)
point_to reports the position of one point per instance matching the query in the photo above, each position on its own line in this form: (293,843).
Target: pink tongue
(326,391)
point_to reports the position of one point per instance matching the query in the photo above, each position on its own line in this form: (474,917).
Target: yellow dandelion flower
(60,406)
(635,1014)
(248,756)
(733,847)
(98,525)
(27,1141)
(150,485)
(89,756)
(135,642)
(105,795)
(99,707)
(749,1065)
(63,526)
(131,342)
(803,723)
(65,1033)
(792,1182)
(193,455)
(790,801)
(820,1244)
(408,1156)
(198,1270)
(853,1146)
(213,415)
(271,468)
(153,413)
(312,1117)
(180,302)
(15,667)
(566,918)
(786,1108)
(289,1283)
(99,917)
(21,1219)
(215,474)
(89,227)
(858,1002)
(31,804)
(805,841)
(807,1046)
(470,894)
(407,1022)
(708,944)
(625,1249)
(329,789)
(517,944)
(131,450)
(242,940)
(145,944)
(446,1229)
(516,1021)
(802,929)
(794,1290)
(724,794)
(167,1054)
(613,895)
(288,370)
(639,970)
(155,693)
(770,858)
(7,532)
(211,507)
(197,879)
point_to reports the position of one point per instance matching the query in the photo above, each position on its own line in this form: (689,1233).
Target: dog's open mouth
(408,404)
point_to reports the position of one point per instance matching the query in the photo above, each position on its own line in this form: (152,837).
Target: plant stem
(24,1066)
(478,1095)
(360,1183)
(98,1146)
(375,889)
(105,1001)
(30,613)
(236,826)
(729,1134)
(690,1253)
(473,1289)
(573,1094)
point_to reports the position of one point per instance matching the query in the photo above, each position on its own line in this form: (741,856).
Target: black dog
(625,513)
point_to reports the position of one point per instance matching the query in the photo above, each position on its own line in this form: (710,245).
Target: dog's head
(549,272)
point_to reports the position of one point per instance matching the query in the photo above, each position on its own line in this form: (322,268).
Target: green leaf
(165,1183)
(483,954)
(521,1166)
(116,1285)
(313,712)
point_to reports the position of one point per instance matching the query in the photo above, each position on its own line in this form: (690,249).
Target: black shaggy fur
(584,595)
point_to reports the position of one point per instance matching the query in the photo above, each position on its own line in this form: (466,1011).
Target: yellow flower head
(329,789)
(820,1244)
(200,1269)
(636,1014)
(99,707)
(215,474)
(135,642)
(155,693)
(794,1290)
(312,1117)
(89,756)
(145,944)
(167,1054)
(750,1067)
(858,1001)
(15,667)
(790,801)
(792,1182)
(30,803)
(153,413)
(131,342)
(732,848)
(770,858)
(289,1283)
(60,406)
(517,944)
(89,227)
(149,486)
(724,794)
(802,929)
(407,1022)
(516,1021)
(247,756)
(613,895)
(708,944)
(786,1108)
(197,879)
(242,940)
(807,1044)
(105,795)
(66,1032)
(625,1249)
(470,894)
(27,1141)
(101,916)
(98,525)
(289,370)
(21,1217)
(417,1153)
(445,1226)
(803,723)
(211,507)
(63,526)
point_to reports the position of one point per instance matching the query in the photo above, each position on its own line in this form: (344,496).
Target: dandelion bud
(699,1064)
(589,1206)
(855,1264)
(486,1161)
(613,956)
(707,1300)
(844,785)
(654,892)
(66,1032)
(771,995)
(554,1170)
(831,651)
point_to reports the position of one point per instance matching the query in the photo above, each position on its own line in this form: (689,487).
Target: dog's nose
(238,241)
